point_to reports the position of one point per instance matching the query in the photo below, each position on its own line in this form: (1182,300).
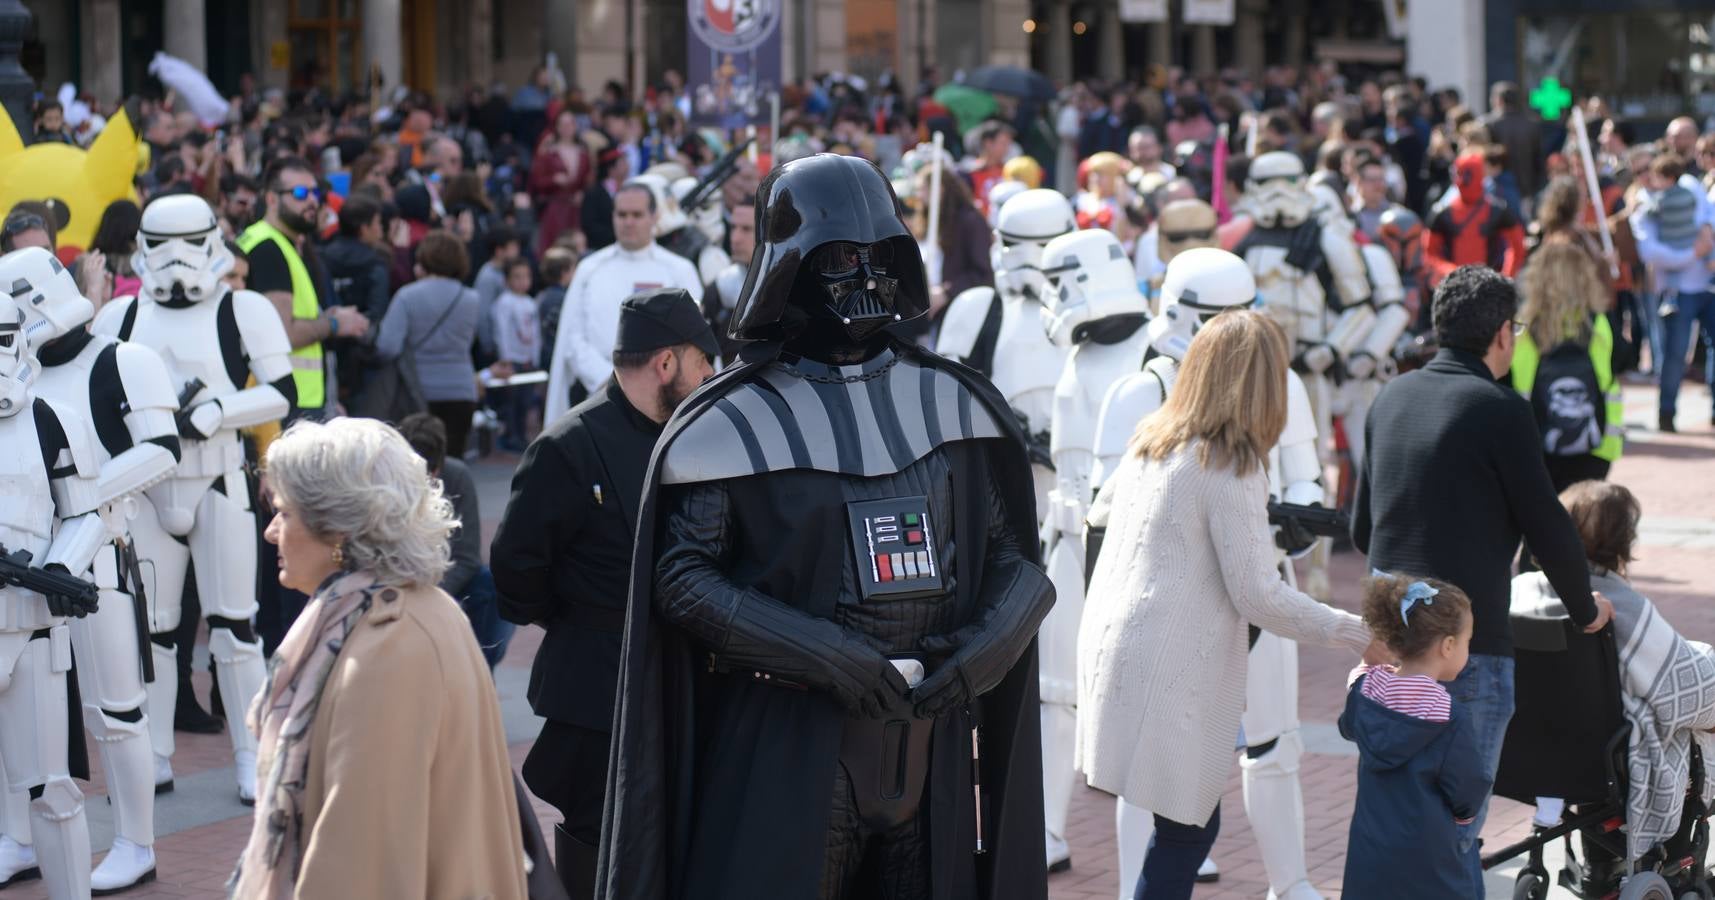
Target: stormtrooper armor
(998,330)
(1201,283)
(676,232)
(123,390)
(213,340)
(705,217)
(1094,310)
(1297,245)
(1372,362)
(49,471)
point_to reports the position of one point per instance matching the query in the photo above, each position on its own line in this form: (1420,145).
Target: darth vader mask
(858,284)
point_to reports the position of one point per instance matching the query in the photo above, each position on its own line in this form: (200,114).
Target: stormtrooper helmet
(17,364)
(1200,283)
(1000,192)
(44,289)
(669,217)
(1090,279)
(181,255)
(1275,191)
(707,215)
(1024,225)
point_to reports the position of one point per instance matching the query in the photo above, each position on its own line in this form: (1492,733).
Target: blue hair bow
(1415,593)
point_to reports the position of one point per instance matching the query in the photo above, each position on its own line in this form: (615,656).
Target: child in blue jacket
(1419,773)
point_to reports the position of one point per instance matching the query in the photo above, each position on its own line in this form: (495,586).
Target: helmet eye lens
(152,243)
(6,340)
(843,259)
(838,258)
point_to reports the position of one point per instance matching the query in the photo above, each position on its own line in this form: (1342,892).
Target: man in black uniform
(835,591)
(562,555)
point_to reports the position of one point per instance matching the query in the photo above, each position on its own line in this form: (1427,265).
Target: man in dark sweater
(1453,477)
(562,556)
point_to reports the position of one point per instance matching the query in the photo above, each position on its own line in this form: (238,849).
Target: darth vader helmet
(832,250)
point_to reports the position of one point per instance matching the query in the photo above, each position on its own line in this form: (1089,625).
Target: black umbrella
(1012,81)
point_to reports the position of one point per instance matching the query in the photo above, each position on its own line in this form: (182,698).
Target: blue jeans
(1699,308)
(1176,850)
(481,605)
(1484,691)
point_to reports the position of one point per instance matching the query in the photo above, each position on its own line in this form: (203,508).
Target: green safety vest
(1526,357)
(307,373)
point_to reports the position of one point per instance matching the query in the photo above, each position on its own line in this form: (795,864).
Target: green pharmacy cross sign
(1550,98)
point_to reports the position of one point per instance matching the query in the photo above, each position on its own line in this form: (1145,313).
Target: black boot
(1664,424)
(575,861)
(188,714)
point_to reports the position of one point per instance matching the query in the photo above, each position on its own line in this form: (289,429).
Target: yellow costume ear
(112,159)
(10,142)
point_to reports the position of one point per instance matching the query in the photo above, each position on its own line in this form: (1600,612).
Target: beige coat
(1187,564)
(410,786)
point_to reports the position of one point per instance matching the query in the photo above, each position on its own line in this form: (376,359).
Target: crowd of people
(793,607)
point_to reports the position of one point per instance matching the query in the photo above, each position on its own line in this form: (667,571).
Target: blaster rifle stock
(67,595)
(1318,520)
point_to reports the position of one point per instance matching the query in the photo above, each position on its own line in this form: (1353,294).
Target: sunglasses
(18,224)
(1175,237)
(302,193)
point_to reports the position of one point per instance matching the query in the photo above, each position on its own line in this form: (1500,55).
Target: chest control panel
(897,557)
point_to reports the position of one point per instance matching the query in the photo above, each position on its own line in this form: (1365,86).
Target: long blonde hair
(1230,396)
(1562,290)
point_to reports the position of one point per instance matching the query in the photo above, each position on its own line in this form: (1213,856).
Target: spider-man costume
(1471,227)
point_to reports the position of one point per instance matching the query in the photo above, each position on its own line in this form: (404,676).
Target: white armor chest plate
(1089,372)
(1026,364)
(67,384)
(188,341)
(26,515)
(1290,296)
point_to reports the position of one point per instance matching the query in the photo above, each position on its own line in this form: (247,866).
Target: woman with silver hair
(382,761)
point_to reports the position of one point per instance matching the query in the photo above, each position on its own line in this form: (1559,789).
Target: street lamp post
(16,88)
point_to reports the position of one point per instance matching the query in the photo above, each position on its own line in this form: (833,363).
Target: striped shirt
(1418,696)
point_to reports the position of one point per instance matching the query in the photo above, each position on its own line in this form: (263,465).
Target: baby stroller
(1568,738)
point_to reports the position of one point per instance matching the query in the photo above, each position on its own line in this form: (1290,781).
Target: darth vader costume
(828,687)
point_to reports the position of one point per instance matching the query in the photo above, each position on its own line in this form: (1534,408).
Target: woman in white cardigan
(1187,565)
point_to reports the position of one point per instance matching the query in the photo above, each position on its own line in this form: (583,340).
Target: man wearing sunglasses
(277,271)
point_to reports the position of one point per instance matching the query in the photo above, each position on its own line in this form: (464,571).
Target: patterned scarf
(281,718)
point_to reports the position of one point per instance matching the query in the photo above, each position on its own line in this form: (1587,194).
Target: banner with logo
(735,60)
(1208,12)
(1143,10)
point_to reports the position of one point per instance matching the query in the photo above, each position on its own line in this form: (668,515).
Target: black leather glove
(1293,537)
(76,601)
(947,687)
(881,695)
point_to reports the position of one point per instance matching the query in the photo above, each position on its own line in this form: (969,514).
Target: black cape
(646,824)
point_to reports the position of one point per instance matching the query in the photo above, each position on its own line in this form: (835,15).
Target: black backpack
(1571,411)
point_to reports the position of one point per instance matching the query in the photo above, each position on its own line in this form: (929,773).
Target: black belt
(41,634)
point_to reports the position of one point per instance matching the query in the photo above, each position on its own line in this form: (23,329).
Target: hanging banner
(735,60)
(1143,10)
(1208,12)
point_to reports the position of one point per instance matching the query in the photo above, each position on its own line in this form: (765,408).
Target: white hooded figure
(1093,309)
(214,340)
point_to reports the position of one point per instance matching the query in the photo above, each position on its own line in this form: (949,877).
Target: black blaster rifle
(139,604)
(723,169)
(67,595)
(1300,525)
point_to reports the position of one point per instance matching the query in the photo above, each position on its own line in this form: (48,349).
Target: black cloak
(646,824)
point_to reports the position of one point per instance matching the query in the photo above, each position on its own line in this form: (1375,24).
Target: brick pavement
(1674,476)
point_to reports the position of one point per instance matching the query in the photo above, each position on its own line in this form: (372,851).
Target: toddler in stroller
(1617,724)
